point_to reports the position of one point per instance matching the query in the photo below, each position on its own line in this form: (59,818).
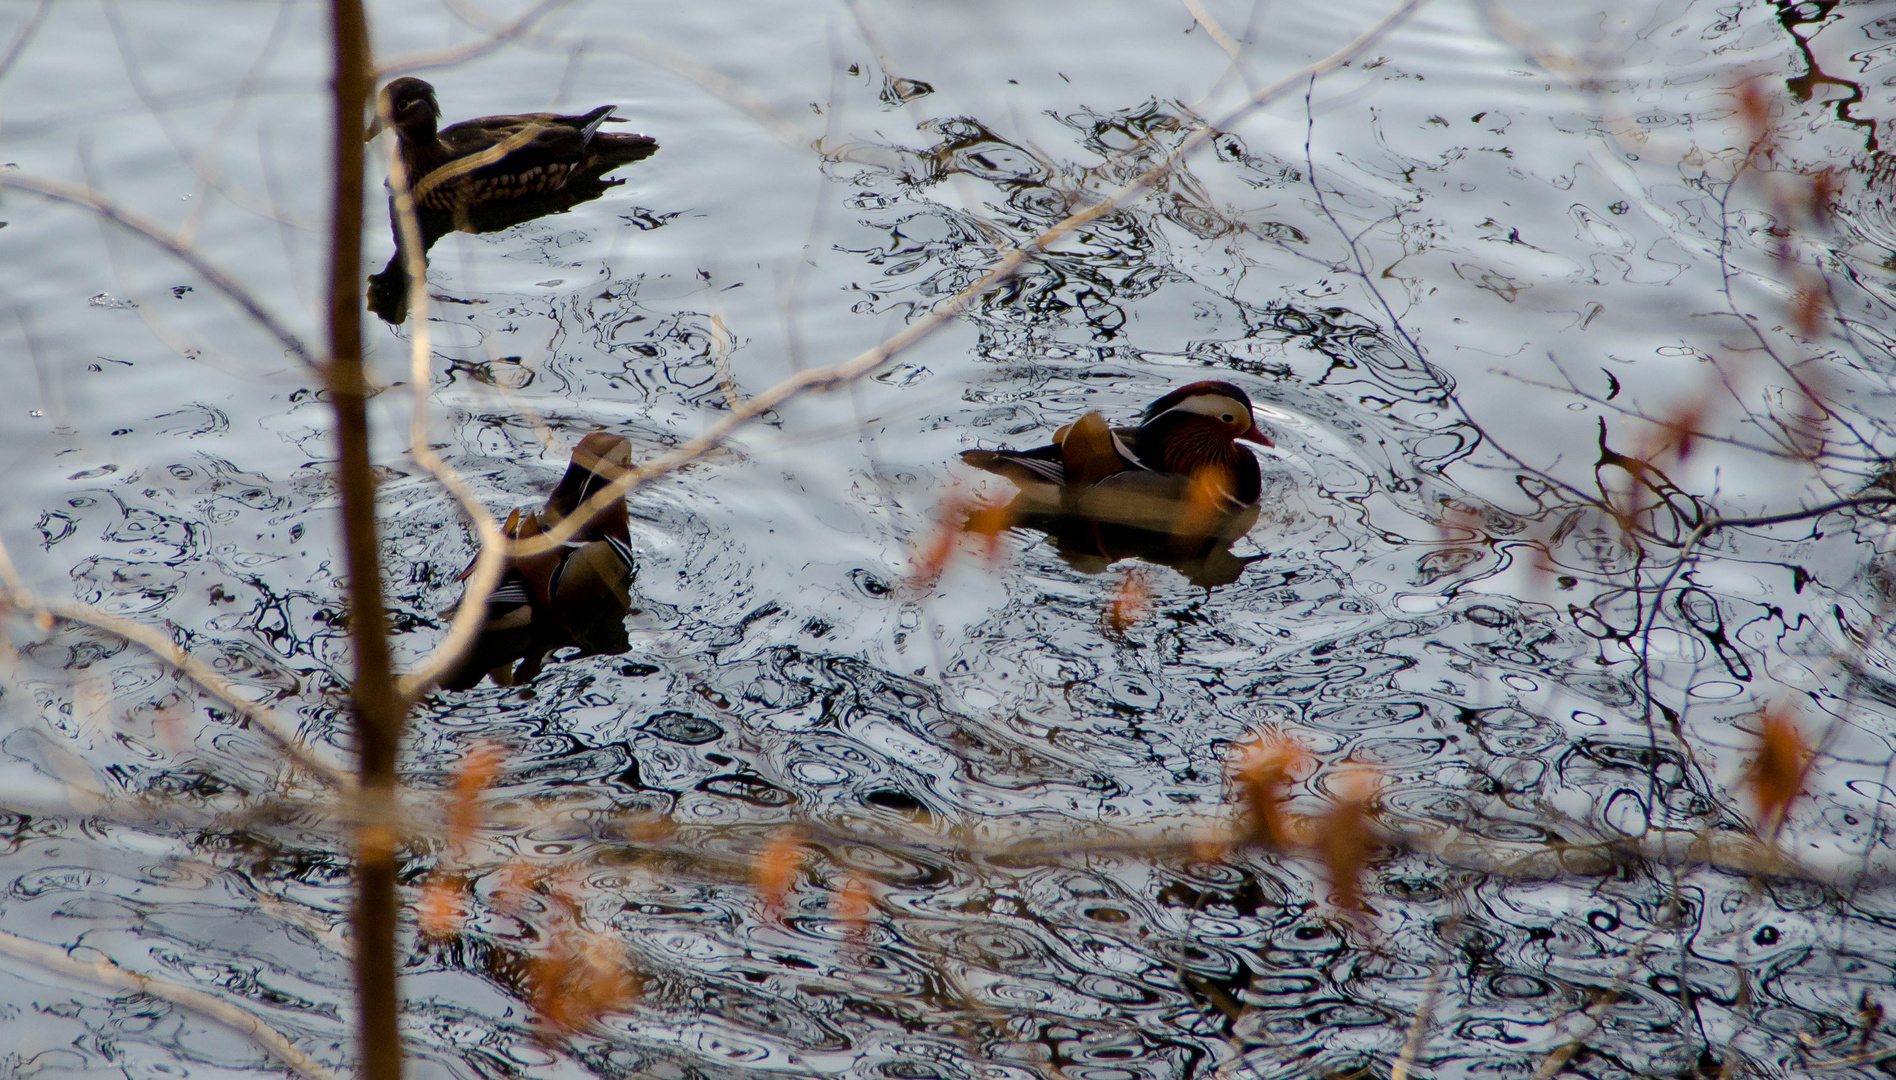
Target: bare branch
(113,977)
(465,627)
(133,221)
(264,718)
(507,33)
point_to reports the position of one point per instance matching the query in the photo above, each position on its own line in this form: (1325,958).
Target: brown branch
(135,222)
(465,627)
(265,719)
(113,977)
(378,707)
(507,33)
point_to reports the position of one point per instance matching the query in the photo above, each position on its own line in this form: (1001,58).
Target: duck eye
(1227,418)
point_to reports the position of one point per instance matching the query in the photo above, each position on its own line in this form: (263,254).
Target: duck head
(598,460)
(1220,402)
(408,105)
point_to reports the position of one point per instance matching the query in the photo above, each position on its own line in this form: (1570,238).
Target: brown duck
(497,158)
(575,594)
(1180,470)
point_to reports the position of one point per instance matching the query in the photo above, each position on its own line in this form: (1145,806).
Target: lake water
(1452,275)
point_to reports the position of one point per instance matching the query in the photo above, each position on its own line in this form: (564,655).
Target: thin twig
(264,718)
(507,33)
(133,221)
(111,976)
(469,617)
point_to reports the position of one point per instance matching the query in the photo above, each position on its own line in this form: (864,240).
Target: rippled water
(1395,266)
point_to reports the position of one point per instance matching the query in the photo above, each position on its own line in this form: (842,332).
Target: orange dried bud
(937,549)
(990,521)
(1807,309)
(472,775)
(1776,776)
(1346,838)
(442,908)
(580,979)
(1263,772)
(1678,431)
(1825,185)
(1130,603)
(856,905)
(518,879)
(1754,110)
(1204,504)
(776,869)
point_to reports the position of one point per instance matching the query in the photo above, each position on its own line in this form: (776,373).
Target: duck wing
(539,138)
(1050,464)
(1041,465)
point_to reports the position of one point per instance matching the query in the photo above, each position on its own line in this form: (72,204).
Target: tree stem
(378,710)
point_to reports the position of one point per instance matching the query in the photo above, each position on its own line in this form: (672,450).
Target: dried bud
(937,549)
(1130,603)
(990,521)
(1346,838)
(442,907)
(776,869)
(1263,772)
(580,978)
(1777,773)
(472,775)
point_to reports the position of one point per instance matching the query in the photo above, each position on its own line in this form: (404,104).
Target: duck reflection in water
(1176,490)
(577,593)
(490,174)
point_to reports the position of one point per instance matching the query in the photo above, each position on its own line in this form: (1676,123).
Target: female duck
(497,158)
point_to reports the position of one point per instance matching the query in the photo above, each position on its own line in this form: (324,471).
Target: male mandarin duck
(497,158)
(1180,471)
(576,593)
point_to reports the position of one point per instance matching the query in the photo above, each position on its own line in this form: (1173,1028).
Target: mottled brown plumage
(497,158)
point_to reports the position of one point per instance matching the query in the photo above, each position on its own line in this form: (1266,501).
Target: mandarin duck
(576,593)
(1175,490)
(1181,471)
(497,158)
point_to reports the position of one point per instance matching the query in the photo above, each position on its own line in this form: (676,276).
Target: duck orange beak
(1256,436)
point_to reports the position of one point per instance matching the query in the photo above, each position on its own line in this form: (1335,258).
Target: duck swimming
(1180,469)
(497,158)
(576,594)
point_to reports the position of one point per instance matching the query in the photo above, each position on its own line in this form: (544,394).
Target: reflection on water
(1430,589)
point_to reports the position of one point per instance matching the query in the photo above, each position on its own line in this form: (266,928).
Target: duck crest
(1191,390)
(597,461)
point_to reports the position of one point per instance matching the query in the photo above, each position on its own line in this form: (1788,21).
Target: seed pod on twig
(1263,772)
(1346,837)
(1777,774)
(775,872)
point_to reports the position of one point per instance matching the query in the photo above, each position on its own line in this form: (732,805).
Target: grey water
(1453,275)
